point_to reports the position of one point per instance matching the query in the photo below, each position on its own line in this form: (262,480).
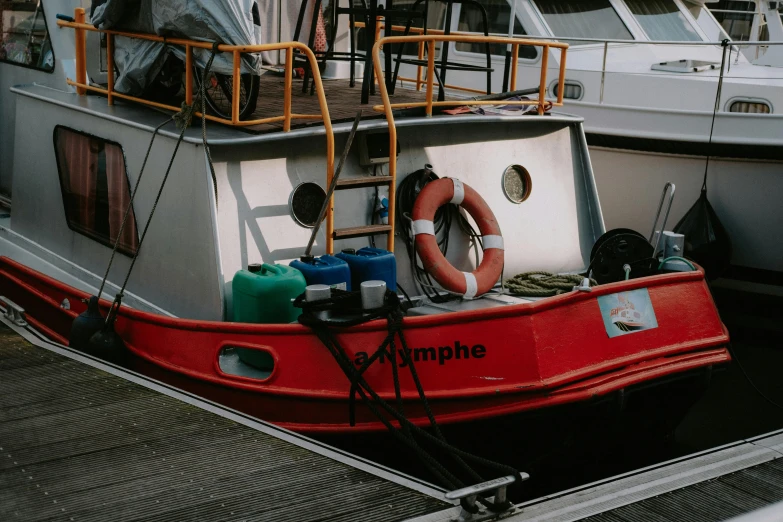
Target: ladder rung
(364,181)
(368,230)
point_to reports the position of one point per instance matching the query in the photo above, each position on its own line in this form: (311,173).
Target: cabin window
(750,106)
(662,20)
(736,17)
(436,19)
(709,25)
(95,188)
(498,13)
(25,38)
(583,19)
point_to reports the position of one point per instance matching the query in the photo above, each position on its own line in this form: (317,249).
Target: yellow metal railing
(430,39)
(81,28)
(237,50)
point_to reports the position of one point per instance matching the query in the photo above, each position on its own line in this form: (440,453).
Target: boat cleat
(472,511)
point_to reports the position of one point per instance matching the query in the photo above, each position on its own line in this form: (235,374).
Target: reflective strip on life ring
(431,198)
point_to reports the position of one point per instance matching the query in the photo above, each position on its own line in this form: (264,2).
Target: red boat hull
(473,365)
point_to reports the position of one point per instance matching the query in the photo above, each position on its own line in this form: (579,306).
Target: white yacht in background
(752,21)
(645,75)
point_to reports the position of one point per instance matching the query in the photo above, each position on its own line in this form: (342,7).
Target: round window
(305,203)
(517,184)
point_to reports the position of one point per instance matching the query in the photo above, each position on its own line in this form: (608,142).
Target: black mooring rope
(348,304)
(724,44)
(183,121)
(130,205)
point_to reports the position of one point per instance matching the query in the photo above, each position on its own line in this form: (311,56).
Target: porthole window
(750,106)
(95,188)
(517,184)
(571,90)
(305,203)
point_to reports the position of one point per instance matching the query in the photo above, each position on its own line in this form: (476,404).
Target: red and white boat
(476,358)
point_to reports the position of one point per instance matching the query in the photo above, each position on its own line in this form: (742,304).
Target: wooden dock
(81,440)
(84,441)
(719,484)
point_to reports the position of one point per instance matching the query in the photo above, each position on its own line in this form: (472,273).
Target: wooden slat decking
(81,444)
(343,101)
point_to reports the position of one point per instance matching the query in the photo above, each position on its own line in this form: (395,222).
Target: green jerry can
(262,294)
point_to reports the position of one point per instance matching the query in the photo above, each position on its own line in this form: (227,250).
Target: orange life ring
(468,284)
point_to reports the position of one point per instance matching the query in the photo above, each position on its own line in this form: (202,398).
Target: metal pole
(330,190)
(81,51)
(603,71)
(511,21)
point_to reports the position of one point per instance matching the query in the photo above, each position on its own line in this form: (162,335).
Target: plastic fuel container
(371,264)
(325,270)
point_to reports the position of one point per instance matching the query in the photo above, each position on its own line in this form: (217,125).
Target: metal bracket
(13,312)
(669,185)
(470,494)
(584,286)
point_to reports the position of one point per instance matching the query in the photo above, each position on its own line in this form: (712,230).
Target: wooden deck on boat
(82,441)
(343,101)
(720,484)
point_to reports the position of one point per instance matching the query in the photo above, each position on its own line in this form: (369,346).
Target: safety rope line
(183,121)
(543,284)
(130,204)
(724,44)
(348,303)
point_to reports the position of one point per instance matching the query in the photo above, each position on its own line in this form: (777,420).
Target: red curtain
(78,163)
(78,158)
(119,199)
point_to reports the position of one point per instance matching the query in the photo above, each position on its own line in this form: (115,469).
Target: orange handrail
(388,107)
(288,115)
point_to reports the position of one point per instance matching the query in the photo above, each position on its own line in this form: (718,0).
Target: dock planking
(730,481)
(81,443)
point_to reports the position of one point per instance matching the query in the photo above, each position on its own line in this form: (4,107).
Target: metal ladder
(366,230)
(333,234)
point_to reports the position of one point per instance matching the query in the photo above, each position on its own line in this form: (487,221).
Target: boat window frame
(748,99)
(51,45)
(96,237)
(685,12)
(520,12)
(555,83)
(705,10)
(628,20)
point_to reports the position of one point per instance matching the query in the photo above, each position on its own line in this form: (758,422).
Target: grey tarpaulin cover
(139,61)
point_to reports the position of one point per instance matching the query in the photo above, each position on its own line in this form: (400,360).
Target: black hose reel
(617,251)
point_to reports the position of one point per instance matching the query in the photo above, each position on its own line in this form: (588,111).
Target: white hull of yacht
(744,193)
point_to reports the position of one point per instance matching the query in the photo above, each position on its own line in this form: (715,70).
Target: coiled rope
(543,284)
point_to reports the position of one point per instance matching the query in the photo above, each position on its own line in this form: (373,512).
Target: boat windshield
(662,20)
(583,19)
(498,13)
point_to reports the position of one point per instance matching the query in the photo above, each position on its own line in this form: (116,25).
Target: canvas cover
(140,61)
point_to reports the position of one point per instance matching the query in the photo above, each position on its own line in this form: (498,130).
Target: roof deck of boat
(83,440)
(342,99)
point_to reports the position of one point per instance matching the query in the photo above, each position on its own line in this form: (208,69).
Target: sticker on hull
(627,312)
